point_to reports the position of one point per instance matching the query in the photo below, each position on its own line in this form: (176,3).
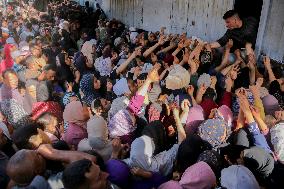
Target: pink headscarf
(194,119)
(197,176)
(73,113)
(8,61)
(227,114)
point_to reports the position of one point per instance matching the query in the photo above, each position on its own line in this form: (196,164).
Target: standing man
(243,32)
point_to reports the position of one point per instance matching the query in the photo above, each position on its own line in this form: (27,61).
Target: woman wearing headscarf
(90,86)
(76,115)
(97,138)
(45,103)
(64,72)
(9,89)
(30,95)
(150,152)
(122,124)
(197,176)
(66,41)
(14,113)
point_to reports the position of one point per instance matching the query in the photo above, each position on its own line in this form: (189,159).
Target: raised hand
(153,75)
(185,105)
(190,90)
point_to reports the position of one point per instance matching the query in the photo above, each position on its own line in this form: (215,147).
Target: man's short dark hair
(229,14)
(73,176)
(48,67)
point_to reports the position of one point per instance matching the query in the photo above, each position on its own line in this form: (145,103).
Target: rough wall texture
(273,39)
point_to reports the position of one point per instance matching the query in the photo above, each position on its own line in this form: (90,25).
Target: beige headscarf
(87,50)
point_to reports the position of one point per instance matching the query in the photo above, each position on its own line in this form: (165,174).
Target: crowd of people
(89,103)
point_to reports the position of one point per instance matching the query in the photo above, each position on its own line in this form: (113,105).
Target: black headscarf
(156,131)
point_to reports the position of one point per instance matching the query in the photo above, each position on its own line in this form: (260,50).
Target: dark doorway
(247,8)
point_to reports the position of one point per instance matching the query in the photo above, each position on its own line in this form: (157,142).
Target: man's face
(11,80)
(96,177)
(50,75)
(231,23)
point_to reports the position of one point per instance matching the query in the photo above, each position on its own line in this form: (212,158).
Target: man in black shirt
(243,32)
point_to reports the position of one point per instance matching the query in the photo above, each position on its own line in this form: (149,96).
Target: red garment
(52,107)
(209,104)
(8,62)
(74,134)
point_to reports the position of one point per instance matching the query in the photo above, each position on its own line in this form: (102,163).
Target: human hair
(229,14)
(73,176)
(48,67)
(18,168)
(29,26)
(22,135)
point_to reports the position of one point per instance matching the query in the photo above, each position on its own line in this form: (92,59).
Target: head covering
(213,159)
(73,113)
(171,185)
(121,87)
(226,113)
(260,162)
(154,92)
(87,88)
(277,140)
(8,61)
(156,131)
(87,50)
(194,119)
(119,172)
(7,93)
(103,65)
(5,130)
(178,78)
(213,131)
(270,104)
(64,25)
(133,34)
(236,102)
(197,176)
(204,79)
(238,176)
(97,138)
(44,91)
(66,97)
(263,92)
(51,107)
(189,151)
(121,124)
(117,104)
(14,112)
(29,101)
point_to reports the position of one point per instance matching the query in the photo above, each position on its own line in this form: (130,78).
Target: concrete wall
(272,42)
(199,18)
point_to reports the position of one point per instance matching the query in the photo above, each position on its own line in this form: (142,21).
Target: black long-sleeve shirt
(242,35)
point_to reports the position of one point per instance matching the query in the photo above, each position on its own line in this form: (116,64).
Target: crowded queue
(89,103)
